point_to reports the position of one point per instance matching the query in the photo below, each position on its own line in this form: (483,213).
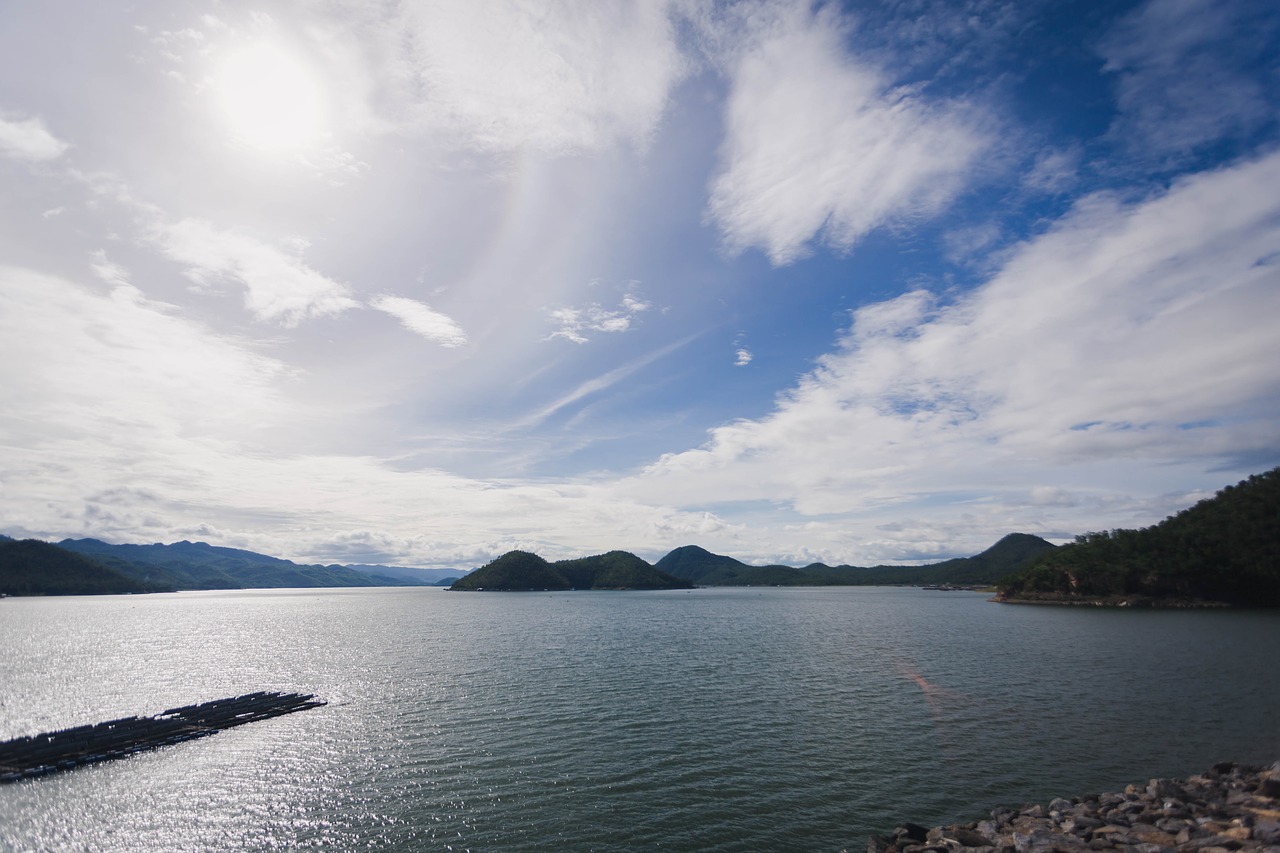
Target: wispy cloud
(107,270)
(598,384)
(421,319)
(506,75)
(576,323)
(278,286)
(743,357)
(928,403)
(1186,74)
(29,139)
(820,147)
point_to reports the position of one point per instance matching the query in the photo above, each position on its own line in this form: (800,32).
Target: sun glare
(270,99)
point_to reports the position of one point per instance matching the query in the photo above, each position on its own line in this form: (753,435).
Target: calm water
(711,720)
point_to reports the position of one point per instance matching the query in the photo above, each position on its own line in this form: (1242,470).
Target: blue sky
(420,283)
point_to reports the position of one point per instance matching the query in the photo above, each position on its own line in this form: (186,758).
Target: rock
(1166,789)
(970,838)
(1153,836)
(915,832)
(1230,808)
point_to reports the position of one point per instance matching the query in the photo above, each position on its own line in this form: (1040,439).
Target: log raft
(38,755)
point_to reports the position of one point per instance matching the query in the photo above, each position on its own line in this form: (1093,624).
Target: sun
(270,99)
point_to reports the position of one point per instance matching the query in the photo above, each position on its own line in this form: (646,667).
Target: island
(520,571)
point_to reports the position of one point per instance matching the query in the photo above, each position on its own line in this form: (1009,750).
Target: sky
(419,283)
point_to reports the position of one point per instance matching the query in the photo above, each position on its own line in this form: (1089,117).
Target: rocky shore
(1231,807)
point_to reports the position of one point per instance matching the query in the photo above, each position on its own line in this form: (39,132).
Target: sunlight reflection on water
(705,720)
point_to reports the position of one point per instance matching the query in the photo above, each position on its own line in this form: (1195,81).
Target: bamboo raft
(38,755)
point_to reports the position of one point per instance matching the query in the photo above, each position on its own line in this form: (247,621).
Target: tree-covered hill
(32,567)
(520,571)
(707,569)
(182,565)
(1224,549)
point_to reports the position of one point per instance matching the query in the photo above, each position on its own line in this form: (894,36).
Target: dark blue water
(716,720)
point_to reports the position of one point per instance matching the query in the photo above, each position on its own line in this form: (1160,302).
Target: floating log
(38,755)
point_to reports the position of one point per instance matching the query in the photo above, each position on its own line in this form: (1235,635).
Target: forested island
(1224,551)
(690,566)
(520,571)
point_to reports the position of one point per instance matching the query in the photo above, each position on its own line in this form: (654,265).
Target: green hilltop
(1224,550)
(521,571)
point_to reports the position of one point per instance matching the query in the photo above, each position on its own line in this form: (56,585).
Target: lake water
(704,720)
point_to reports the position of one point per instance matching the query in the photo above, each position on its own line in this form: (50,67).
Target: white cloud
(1054,171)
(820,146)
(134,423)
(576,323)
(106,389)
(743,358)
(421,319)
(507,75)
(1127,341)
(278,286)
(29,139)
(107,270)
(1183,73)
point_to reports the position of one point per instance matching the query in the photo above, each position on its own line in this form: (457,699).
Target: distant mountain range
(707,569)
(693,566)
(86,566)
(1222,550)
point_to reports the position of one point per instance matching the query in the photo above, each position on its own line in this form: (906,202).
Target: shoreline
(1229,807)
(1135,602)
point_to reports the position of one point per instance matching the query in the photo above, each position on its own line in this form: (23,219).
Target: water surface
(716,720)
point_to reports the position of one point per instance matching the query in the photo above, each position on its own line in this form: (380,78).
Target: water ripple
(717,720)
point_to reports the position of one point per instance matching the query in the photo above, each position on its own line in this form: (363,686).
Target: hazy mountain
(707,569)
(427,577)
(198,565)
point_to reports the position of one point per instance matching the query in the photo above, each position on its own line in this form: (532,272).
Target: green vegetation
(88,566)
(707,569)
(32,567)
(514,570)
(1225,549)
(1222,550)
(522,571)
